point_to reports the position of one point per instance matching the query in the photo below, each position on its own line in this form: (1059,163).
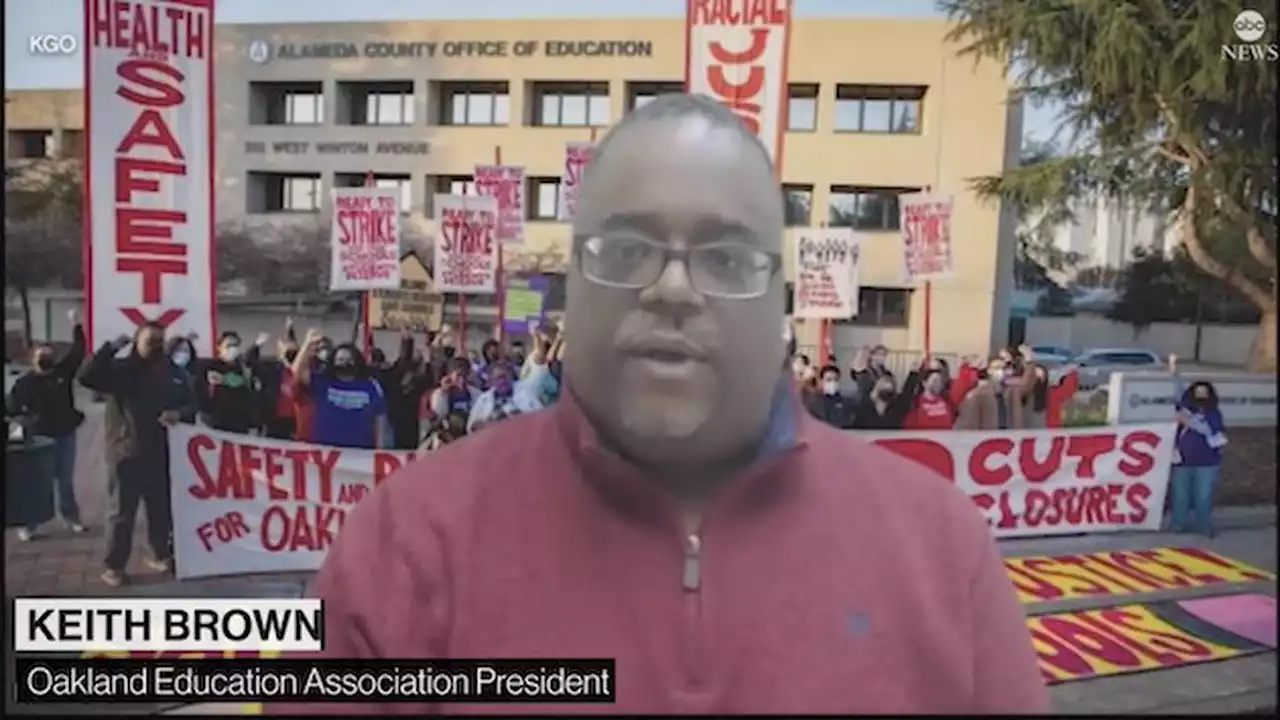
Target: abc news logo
(50,44)
(1250,27)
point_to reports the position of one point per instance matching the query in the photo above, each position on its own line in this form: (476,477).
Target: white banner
(826,273)
(149,108)
(1051,482)
(576,157)
(737,54)
(365,239)
(925,220)
(505,184)
(244,504)
(467,247)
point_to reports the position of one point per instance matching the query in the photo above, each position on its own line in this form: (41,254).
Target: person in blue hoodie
(1197,458)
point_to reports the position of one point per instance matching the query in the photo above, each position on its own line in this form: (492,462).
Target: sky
(24,19)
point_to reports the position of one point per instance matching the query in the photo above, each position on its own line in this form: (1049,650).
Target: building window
(271,192)
(403,183)
(286,103)
(641,93)
(484,103)
(878,108)
(865,208)
(883,307)
(72,144)
(447,185)
(571,104)
(30,144)
(799,204)
(544,198)
(375,103)
(802,108)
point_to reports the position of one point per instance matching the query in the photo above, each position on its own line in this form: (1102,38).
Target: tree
(1160,117)
(42,229)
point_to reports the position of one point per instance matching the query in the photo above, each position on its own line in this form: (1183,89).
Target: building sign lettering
(254,147)
(260,52)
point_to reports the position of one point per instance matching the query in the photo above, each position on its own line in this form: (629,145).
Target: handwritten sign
(505,184)
(926,235)
(826,267)
(576,157)
(467,247)
(365,239)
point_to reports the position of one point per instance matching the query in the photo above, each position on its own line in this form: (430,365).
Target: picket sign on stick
(505,184)
(365,239)
(826,266)
(244,504)
(466,250)
(925,219)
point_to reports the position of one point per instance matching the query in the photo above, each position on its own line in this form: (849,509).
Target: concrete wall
(1218,344)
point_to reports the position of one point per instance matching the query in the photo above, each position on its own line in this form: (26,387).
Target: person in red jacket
(667,510)
(1059,394)
(932,408)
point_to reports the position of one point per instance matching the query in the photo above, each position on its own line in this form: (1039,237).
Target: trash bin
(28,482)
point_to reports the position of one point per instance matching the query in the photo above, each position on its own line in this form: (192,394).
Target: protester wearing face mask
(1197,459)
(884,407)
(145,394)
(403,383)
(272,383)
(1020,387)
(348,408)
(931,408)
(977,408)
(508,397)
(227,398)
(829,405)
(182,353)
(43,402)
(868,367)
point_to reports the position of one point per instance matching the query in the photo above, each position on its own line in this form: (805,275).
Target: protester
(348,408)
(829,404)
(452,429)
(1197,458)
(579,530)
(885,407)
(403,384)
(224,387)
(43,402)
(869,367)
(931,408)
(1018,385)
(800,367)
(456,393)
(181,351)
(273,381)
(508,397)
(145,394)
(979,398)
(1061,393)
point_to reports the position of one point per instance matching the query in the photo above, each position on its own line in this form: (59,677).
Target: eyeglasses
(729,270)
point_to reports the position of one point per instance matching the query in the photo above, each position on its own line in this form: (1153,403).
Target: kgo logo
(53,44)
(1250,26)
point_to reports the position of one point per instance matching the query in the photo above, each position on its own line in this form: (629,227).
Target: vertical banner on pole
(826,264)
(576,157)
(148,171)
(737,53)
(467,247)
(365,239)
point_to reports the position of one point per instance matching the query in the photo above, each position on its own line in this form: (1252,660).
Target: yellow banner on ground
(1049,578)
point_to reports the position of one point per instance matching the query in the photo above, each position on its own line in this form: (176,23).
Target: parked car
(1052,354)
(1097,365)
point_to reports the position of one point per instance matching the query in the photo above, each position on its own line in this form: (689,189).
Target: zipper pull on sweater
(692,563)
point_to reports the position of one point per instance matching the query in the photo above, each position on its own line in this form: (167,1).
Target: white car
(1052,354)
(1097,365)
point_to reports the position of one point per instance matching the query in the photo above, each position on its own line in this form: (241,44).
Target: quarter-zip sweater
(831,577)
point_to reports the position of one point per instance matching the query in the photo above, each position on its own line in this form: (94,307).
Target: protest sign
(524,303)
(148,170)
(244,504)
(926,235)
(738,56)
(826,273)
(1051,482)
(467,247)
(505,184)
(576,157)
(365,239)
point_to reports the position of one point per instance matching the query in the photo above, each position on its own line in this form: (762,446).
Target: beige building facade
(877,108)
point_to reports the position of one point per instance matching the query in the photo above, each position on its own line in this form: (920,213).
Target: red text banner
(1052,482)
(926,235)
(244,504)
(576,157)
(737,54)
(467,245)
(505,184)
(148,237)
(826,270)
(365,239)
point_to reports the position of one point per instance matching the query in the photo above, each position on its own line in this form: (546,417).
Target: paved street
(60,563)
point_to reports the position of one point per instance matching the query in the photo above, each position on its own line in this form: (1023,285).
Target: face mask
(502,386)
(831,387)
(878,361)
(231,354)
(45,363)
(180,358)
(884,393)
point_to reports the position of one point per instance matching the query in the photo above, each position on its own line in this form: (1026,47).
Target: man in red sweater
(677,510)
